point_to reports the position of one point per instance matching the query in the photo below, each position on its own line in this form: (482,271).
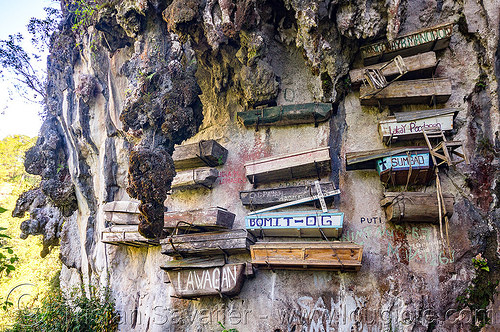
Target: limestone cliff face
(149,74)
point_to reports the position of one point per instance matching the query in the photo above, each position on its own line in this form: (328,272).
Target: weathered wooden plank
(271,196)
(202,219)
(296,223)
(411,124)
(122,218)
(421,63)
(286,115)
(126,235)
(304,255)
(369,159)
(196,178)
(209,243)
(414,206)
(291,166)
(408,92)
(121,206)
(429,39)
(194,262)
(203,153)
(226,280)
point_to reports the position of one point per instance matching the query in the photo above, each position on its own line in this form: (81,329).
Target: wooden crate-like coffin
(414,206)
(286,115)
(430,39)
(296,223)
(409,125)
(195,178)
(422,91)
(214,281)
(308,255)
(126,235)
(204,153)
(394,170)
(122,212)
(271,196)
(211,243)
(214,218)
(418,65)
(291,166)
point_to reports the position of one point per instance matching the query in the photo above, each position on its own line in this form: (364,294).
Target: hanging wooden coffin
(291,166)
(408,168)
(414,206)
(214,218)
(223,242)
(272,196)
(121,212)
(195,178)
(126,235)
(420,65)
(344,256)
(286,115)
(215,281)
(296,223)
(424,91)
(409,125)
(429,39)
(204,153)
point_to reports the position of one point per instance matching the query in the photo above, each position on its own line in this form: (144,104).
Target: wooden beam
(195,178)
(211,218)
(422,64)
(428,39)
(290,166)
(208,243)
(286,115)
(409,92)
(414,206)
(304,255)
(203,153)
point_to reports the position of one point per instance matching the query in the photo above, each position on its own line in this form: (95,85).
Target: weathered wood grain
(409,92)
(414,206)
(307,255)
(272,196)
(209,243)
(286,115)
(194,262)
(424,40)
(195,178)
(202,219)
(126,235)
(225,280)
(290,166)
(121,206)
(203,153)
(122,218)
(421,63)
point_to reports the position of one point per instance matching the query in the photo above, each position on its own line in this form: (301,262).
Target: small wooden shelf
(203,153)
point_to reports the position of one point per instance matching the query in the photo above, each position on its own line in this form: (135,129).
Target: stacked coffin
(124,219)
(332,255)
(195,164)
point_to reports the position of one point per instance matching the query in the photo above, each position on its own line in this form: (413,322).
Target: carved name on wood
(411,168)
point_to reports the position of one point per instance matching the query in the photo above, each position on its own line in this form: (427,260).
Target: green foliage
(95,312)
(85,13)
(481,82)
(12,151)
(226,330)
(480,263)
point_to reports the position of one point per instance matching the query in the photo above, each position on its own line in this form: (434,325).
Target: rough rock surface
(152,74)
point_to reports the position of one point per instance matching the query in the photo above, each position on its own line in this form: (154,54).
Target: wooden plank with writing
(190,283)
(290,166)
(418,65)
(307,255)
(296,223)
(410,168)
(414,206)
(203,153)
(209,243)
(203,219)
(271,196)
(428,39)
(195,178)
(286,115)
(409,92)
